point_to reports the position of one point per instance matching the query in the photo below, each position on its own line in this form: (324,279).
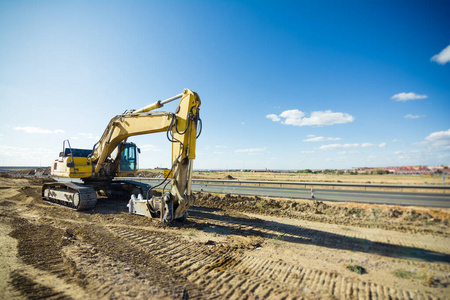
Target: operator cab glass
(128,158)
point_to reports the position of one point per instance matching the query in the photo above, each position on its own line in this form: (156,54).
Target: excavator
(112,157)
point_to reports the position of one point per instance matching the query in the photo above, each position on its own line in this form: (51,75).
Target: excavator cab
(128,163)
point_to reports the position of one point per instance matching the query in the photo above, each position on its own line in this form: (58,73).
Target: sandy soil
(229,248)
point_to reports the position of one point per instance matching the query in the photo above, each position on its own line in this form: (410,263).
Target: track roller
(70,194)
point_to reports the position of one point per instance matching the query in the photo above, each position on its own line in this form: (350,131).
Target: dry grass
(381,179)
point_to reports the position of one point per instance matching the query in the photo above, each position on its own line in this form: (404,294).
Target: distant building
(406,170)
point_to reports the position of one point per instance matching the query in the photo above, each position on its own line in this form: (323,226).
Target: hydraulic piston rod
(157,104)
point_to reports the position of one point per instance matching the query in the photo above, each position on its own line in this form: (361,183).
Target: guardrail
(444,188)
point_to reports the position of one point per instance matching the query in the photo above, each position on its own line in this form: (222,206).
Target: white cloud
(348,152)
(321,139)
(440,139)
(307,151)
(89,136)
(407,96)
(29,129)
(11,155)
(250,150)
(148,148)
(413,155)
(443,57)
(338,146)
(354,145)
(292,117)
(421,144)
(296,117)
(273,117)
(413,116)
(426,156)
(368,145)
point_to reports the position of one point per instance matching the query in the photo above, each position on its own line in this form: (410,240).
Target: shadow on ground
(297,234)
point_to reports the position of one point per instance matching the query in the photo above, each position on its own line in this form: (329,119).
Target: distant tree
(340,172)
(304,171)
(379,171)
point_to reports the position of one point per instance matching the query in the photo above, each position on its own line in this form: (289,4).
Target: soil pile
(369,216)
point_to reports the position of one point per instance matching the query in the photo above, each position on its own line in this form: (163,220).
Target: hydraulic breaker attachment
(156,207)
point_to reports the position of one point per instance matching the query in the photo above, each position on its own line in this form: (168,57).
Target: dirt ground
(230,247)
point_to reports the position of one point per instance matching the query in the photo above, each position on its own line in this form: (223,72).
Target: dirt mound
(229,177)
(385,217)
(38,173)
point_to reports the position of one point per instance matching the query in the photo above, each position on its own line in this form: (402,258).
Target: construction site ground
(230,247)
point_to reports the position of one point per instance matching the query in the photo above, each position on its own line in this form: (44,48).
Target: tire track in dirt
(152,263)
(33,290)
(214,271)
(234,275)
(46,273)
(177,256)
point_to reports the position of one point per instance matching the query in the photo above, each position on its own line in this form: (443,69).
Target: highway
(373,197)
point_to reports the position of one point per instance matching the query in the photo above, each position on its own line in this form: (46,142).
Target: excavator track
(70,194)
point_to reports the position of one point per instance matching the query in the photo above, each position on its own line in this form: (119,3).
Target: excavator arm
(182,124)
(181,128)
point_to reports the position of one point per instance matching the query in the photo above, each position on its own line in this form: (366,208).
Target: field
(380,179)
(301,177)
(230,247)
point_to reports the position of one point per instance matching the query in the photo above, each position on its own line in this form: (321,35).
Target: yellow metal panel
(80,170)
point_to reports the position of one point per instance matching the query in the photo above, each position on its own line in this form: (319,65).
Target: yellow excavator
(112,157)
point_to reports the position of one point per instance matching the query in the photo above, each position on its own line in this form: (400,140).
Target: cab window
(128,158)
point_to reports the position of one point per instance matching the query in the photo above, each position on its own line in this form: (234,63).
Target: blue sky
(284,84)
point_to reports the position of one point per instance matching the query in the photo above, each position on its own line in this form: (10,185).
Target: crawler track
(70,194)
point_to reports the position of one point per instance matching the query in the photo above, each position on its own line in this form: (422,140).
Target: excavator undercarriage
(81,196)
(70,194)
